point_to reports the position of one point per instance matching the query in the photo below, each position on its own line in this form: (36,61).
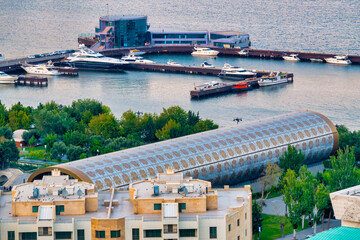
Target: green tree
(192,118)
(30,134)
(4,115)
(49,141)
(292,195)
(272,174)
(74,152)
(81,108)
(8,153)
(32,141)
(175,113)
(58,151)
(292,159)
(344,172)
(19,120)
(76,138)
(148,128)
(58,122)
(256,217)
(322,202)
(96,145)
(130,123)
(105,125)
(6,132)
(120,143)
(205,125)
(349,138)
(172,129)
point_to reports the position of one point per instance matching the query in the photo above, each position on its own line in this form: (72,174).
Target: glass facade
(198,38)
(222,156)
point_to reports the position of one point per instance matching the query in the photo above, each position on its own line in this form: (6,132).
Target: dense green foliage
(292,159)
(87,127)
(349,138)
(8,153)
(256,217)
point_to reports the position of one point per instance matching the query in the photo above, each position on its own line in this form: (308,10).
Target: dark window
(11,235)
(63,235)
(238,238)
(115,234)
(135,234)
(153,233)
(100,234)
(81,234)
(182,206)
(245,216)
(157,206)
(238,222)
(59,209)
(187,232)
(229,227)
(35,208)
(213,233)
(28,236)
(45,231)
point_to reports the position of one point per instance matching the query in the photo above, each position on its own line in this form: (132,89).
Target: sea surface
(34,26)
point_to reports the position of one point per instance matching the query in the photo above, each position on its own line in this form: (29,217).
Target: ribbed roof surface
(226,155)
(339,233)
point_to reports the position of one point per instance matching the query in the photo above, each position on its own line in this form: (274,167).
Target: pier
(32,81)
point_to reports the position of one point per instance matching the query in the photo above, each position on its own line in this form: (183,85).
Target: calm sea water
(34,26)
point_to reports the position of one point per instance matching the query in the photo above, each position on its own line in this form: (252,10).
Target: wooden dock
(32,81)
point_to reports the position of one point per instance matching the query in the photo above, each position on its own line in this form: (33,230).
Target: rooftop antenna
(107,6)
(65,193)
(79,193)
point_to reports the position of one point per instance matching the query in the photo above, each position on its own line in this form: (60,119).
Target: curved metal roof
(226,155)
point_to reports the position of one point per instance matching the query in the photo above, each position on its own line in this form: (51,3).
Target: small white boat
(170,62)
(292,58)
(7,79)
(342,60)
(236,73)
(41,69)
(136,52)
(131,58)
(200,51)
(316,60)
(244,53)
(207,65)
(273,79)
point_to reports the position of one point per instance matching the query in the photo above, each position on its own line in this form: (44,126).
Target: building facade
(169,206)
(221,156)
(121,31)
(172,37)
(229,39)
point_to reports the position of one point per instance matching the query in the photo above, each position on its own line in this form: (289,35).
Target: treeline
(87,127)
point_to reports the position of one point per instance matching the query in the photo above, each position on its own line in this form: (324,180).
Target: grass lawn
(271,227)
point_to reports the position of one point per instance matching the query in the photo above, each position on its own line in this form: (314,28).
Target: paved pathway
(275,206)
(303,234)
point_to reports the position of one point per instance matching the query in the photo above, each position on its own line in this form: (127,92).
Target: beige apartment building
(169,206)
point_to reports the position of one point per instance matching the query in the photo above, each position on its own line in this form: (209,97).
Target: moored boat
(202,51)
(243,53)
(231,72)
(136,52)
(342,60)
(292,58)
(131,58)
(7,79)
(316,60)
(207,65)
(273,79)
(241,86)
(172,63)
(41,69)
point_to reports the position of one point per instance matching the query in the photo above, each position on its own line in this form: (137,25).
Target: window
(157,206)
(153,233)
(59,209)
(238,238)
(35,208)
(187,232)
(135,234)
(100,234)
(245,232)
(45,231)
(245,216)
(182,206)
(11,235)
(170,228)
(229,227)
(213,233)
(28,236)
(63,235)
(81,234)
(115,234)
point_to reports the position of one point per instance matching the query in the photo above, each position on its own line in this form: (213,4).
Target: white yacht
(232,72)
(273,79)
(86,58)
(343,60)
(292,58)
(1,57)
(137,52)
(131,58)
(6,79)
(244,53)
(170,62)
(207,65)
(199,51)
(316,60)
(41,69)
